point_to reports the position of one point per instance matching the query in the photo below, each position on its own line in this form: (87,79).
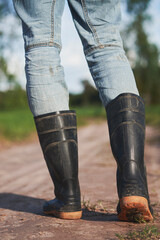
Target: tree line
(147,61)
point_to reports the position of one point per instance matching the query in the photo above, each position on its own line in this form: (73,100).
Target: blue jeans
(97,23)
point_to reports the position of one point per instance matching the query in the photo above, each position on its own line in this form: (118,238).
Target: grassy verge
(153,115)
(17,125)
(149,232)
(89,113)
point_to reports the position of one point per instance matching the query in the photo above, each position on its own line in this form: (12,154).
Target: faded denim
(97,23)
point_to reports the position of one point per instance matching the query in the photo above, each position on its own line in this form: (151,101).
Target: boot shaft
(58,138)
(126,121)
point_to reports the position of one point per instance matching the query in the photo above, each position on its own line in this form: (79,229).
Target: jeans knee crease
(43,44)
(90,50)
(101,46)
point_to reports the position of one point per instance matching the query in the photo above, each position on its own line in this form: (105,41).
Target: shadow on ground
(21,203)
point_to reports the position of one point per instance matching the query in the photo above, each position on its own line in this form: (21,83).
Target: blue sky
(72,57)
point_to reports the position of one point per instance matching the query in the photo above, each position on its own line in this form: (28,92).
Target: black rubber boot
(58,138)
(126,121)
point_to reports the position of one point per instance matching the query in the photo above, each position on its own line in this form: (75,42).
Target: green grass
(147,233)
(17,125)
(87,114)
(153,115)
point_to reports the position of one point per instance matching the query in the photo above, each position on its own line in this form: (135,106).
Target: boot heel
(134,208)
(66,215)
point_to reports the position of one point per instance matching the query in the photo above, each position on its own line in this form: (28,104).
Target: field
(17,125)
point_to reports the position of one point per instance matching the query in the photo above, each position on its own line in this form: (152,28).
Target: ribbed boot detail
(58,138)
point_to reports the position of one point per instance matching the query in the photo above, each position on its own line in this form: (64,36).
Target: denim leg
(41,23)
(97,23)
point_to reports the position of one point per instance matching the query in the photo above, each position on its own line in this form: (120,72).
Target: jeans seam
(52,20)
(93,30)
(43,44)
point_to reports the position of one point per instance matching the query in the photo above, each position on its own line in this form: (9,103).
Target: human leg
(48,100)
(46,87)
(97,23)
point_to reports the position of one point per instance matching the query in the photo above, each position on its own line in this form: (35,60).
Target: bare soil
(25,185)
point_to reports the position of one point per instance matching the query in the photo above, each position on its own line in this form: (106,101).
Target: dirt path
(25,183)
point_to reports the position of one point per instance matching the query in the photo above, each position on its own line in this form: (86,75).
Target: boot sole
(66,215)
(134,209)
